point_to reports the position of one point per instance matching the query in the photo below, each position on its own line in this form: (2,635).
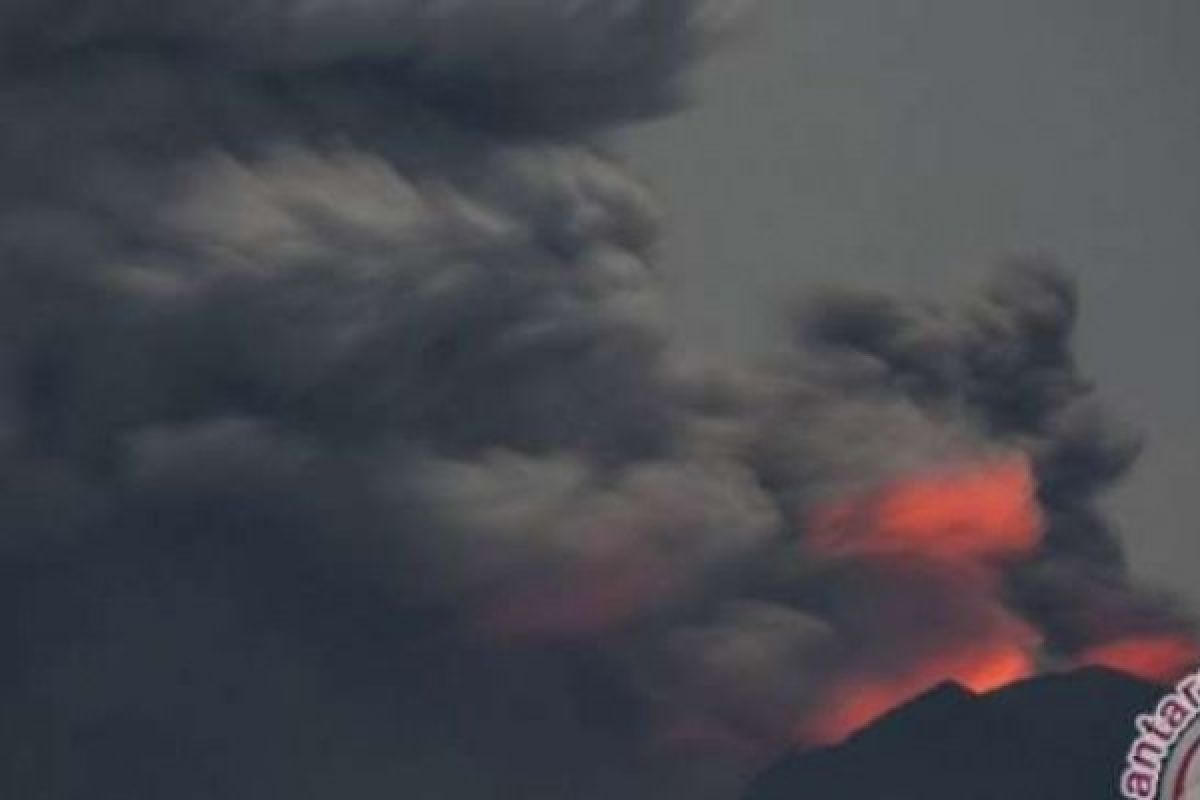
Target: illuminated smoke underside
(1163,657)
(338,426)
(961,525)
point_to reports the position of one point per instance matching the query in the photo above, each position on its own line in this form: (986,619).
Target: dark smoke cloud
(1006,369)
(344,455)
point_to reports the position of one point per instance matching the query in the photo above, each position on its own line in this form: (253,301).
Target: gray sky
(335,428)
(910,145)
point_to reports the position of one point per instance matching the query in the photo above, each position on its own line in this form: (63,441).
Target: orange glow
(958,522)
(1156,657)
(977,512)
(857,702)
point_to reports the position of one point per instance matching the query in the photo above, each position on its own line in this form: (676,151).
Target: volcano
(1055,737)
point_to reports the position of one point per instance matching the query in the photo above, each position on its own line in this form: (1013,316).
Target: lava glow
(962,525)
(986,511)
(855,703)
(1156,657)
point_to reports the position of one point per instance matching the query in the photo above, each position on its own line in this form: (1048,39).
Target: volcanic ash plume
(344,454)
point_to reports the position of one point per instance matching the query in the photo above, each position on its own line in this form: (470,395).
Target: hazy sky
(910,145)
(341,454)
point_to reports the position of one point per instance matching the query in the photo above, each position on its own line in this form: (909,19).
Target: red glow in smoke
(857,702)
(960,523)
(1156,657)
(973,513)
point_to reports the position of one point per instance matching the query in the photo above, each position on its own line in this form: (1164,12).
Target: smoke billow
(344,453)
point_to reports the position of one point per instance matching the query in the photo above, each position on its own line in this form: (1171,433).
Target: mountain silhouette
(1056,737)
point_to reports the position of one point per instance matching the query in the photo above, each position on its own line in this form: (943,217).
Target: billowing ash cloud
(344,454)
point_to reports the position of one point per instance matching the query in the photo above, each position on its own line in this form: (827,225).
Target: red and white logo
(1164,761)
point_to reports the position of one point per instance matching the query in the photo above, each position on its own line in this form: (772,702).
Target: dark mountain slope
(1058,737)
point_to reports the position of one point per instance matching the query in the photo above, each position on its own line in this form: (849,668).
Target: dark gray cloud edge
(344,454)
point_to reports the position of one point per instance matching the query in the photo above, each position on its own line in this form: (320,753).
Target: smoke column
(343,453)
